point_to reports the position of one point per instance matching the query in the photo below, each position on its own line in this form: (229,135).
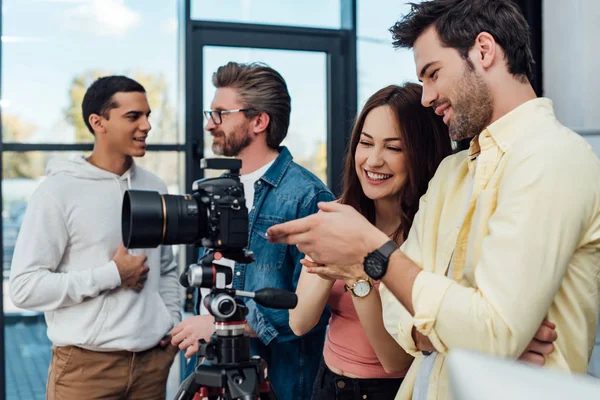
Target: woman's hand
(347,273)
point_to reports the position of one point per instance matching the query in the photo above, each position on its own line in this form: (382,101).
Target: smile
(377,177)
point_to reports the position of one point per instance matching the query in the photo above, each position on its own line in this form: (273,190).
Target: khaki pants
(76,373)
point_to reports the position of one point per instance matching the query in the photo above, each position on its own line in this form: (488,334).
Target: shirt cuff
(259,324)
(398,321)
(264,331)
(427,295)
(107,276)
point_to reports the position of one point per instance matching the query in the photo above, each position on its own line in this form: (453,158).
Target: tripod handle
(276,298)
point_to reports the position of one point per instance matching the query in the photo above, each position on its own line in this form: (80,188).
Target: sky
(48,42)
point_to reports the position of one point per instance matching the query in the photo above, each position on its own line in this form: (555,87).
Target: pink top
(347,347)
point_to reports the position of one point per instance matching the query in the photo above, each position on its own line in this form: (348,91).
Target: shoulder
(301,184)
(147,180)
(55,188)
(555,151)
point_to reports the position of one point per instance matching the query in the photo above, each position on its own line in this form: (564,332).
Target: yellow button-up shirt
(527,248)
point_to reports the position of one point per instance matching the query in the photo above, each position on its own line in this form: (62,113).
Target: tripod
(227,371)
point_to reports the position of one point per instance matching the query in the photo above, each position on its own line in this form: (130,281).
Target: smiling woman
(395,148)
(390,159)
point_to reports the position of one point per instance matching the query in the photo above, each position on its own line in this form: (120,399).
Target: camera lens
(149,219)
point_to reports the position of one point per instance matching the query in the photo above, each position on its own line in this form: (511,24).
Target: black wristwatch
(376,262)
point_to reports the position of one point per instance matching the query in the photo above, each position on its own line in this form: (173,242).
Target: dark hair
(425,142)
(262,89)
(458,22)
(98,99)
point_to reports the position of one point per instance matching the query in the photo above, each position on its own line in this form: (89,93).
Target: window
(307,13)
(379,65)
(51,52)
(307,133)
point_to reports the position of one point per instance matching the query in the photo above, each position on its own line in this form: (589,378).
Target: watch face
(361,288)
(374,266)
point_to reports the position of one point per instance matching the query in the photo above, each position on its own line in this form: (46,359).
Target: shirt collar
(275,173)
(505,130)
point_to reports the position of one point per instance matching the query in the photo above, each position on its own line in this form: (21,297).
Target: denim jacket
(285,192)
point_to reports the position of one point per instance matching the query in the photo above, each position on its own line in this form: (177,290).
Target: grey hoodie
(62,263)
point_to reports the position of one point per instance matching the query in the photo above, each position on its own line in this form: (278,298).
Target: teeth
(377,177)
(445,111)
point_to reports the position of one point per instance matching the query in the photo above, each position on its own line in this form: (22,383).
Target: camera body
(213,216)
(225,204)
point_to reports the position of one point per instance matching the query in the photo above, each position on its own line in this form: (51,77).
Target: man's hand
(132,270)
(165,343)
(336,235)
(541,345)
(422,342)
(189,331)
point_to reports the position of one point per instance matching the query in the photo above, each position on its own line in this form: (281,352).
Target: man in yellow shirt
(508,232)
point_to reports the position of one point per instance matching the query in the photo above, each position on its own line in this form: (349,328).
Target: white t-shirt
(248,181)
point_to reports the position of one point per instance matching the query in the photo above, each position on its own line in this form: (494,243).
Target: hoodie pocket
(163,320)
(100,321)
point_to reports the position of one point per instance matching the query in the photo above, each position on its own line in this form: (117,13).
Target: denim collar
(275,173)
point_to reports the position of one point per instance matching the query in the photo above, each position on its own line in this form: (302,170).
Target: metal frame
(2,350)
(24,147)
(339,46)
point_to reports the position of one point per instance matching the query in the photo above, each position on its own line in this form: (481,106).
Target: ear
(261,122)
(486,50)
(97,123)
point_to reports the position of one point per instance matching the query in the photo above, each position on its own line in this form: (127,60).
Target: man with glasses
(249,119)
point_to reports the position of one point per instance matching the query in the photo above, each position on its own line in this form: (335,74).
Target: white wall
(571,64)
(571,61)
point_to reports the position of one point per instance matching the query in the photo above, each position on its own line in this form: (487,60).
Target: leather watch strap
(388,248)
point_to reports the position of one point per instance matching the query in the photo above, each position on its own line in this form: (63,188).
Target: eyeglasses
(216,116)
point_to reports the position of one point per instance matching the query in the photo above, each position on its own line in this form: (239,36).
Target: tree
(163,118)
(19,165)
(73,111)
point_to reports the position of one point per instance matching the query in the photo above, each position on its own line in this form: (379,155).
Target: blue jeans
(292,366)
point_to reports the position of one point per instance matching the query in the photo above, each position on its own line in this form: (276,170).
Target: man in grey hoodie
(108,309)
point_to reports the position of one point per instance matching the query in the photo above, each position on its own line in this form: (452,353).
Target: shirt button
(364,396)
(503,145)
(238,273)
(254,207)
(258,183)
(341,384)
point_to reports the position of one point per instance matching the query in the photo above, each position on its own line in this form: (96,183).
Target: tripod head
(228,372)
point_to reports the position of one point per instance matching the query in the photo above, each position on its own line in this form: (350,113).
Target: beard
(472,107)
(231,144)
